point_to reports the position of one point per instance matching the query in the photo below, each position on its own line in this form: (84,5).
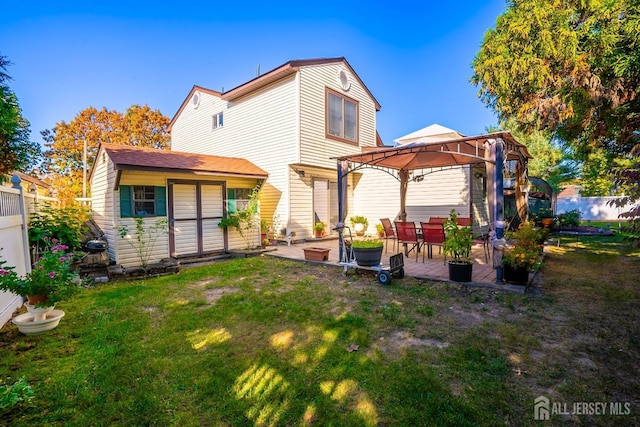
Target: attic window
(217,121)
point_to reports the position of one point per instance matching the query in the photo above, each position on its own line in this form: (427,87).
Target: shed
(192,191)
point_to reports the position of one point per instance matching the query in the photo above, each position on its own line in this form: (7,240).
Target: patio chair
(408,235)
(389,233)
(436,220)
(463,222)
(432,234)
(484,239)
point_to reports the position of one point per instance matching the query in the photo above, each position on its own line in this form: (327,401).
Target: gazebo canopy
(430,154)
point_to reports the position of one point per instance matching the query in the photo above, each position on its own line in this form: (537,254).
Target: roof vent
(344,80)
(195,99)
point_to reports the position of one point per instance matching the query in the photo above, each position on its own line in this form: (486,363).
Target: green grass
(265,341)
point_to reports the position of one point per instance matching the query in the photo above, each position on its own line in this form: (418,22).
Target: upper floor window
(342,117)
(217,121)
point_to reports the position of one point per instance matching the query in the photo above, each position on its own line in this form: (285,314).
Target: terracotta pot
(35,299)
(547,222)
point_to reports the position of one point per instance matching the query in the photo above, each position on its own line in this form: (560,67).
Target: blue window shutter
(231,200)
(126,204)
(161,201)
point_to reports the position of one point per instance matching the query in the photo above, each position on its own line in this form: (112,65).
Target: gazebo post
(497,151)
(403,174)
(343,167)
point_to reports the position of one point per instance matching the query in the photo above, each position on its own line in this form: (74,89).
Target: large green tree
(138,126)
(572,67)
(17,152)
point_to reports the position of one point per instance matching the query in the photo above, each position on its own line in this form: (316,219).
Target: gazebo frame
(491,149)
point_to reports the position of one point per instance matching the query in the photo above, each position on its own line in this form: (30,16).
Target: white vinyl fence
(592,208)
(15,207)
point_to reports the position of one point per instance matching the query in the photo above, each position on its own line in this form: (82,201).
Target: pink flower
(52,274)
(3,272)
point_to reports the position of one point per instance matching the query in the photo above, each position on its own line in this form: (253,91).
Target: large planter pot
(547,222)
(518,276)
(460,272)
(368,257)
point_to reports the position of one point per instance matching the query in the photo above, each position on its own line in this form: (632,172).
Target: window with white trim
(341,117)
(237,199)
(217,121)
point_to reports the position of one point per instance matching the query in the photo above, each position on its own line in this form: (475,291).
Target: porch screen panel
(185,226)
(212,209)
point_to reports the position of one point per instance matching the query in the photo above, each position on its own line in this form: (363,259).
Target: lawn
(268,341)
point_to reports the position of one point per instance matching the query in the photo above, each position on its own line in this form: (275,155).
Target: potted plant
(545,217)
(367,252)
(522,255)
(318,229)
(360,224)
(264,229)
(50,281)
(380,229)
(457,246)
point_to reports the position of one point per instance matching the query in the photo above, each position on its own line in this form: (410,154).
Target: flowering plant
(50,276)
(526,247)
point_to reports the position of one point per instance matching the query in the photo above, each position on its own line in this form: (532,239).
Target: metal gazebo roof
(429,154)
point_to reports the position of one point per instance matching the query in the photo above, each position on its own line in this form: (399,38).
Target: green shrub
(570,218)
(66,224)
(367,243)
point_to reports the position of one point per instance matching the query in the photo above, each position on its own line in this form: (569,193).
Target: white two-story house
(291,122)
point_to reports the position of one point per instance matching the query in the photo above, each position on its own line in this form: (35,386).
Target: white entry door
(325,203)
(196,208)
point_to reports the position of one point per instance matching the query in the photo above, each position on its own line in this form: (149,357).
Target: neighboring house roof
(125,157)
(269,77)
(29,178)
(431,133)
(570,191)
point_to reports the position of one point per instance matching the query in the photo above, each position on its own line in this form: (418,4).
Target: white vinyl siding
(193,132)
(377,195)
(280,125)
(102,202)
(315,148)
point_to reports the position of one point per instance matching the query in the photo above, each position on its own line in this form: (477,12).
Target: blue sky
(415,57)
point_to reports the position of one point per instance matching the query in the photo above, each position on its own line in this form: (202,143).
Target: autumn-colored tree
(138,126)
(17,152)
